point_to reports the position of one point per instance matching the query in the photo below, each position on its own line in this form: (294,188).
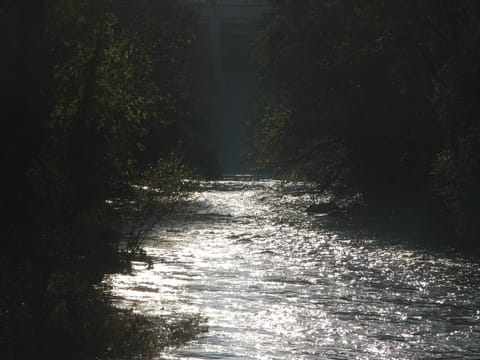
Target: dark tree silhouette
(377,99)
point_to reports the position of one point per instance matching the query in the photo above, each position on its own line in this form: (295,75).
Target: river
(278,283)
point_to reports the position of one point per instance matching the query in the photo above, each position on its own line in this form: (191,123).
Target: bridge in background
(229,73)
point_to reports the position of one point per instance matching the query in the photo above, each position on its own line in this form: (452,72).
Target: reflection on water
(276,284)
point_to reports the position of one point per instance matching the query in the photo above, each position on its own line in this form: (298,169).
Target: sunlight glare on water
(278,283)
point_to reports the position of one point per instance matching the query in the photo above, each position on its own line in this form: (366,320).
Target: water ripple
(276,283)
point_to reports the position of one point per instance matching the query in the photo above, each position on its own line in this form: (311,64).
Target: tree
(83,87)
(358,98)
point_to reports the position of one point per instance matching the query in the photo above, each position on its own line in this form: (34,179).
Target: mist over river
(278,283)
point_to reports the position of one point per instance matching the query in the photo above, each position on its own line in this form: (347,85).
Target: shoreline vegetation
(96,96)
(379,100)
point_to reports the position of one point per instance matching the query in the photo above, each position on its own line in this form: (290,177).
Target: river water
(278,283)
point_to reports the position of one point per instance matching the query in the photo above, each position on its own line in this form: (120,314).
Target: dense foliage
(376,98)
(91,92)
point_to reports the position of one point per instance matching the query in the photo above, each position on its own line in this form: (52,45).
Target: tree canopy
(375,98)
(91,92)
